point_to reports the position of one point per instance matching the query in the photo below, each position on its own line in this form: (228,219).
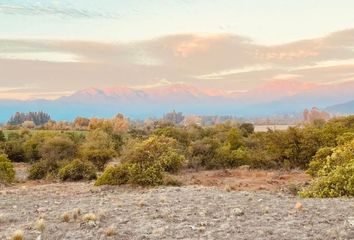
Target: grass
(40,225)
(89,217)
(110,231)
(17,235)
(65,217)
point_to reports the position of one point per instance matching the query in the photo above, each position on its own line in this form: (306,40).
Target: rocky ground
(225,204)
(82,211)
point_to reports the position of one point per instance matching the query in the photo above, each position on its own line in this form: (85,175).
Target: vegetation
(145,163)
(7,172)
(148,153)
(37,118)
(78,170)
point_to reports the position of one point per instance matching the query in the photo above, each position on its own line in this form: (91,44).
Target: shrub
(18,235)
(152,175)
(99,157)
(114,175)
(77,170)
(225,157)
(7,172)
(247,129)
(201,152)
(2,136)
(145,163)
(58,148)
(132,173)
(32,144)
(14,150)
(319,160)
(172,161)
(98,148)
(339,182)
(334,172)
(43,168)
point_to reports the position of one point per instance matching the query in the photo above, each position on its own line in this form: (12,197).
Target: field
(165,181)
(235,204)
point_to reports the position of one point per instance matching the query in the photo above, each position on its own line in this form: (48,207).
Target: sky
(52,48)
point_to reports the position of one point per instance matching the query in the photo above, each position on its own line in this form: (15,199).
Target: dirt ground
(237,204)
(243,179)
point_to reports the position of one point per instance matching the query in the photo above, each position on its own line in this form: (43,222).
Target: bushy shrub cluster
(145,163)
(78,170)
(7,172)
(98,148)
(333,169)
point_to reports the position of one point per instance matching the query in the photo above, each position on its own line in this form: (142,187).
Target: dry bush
(65,217)
(89,217)
(40,225)
(110,231)
(17,235)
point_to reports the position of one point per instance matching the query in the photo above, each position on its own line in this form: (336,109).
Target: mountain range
(275,97)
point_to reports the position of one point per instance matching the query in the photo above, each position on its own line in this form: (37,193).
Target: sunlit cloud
(224,73)
(225,61)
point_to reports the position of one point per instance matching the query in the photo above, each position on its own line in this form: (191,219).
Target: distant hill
(343,108)
(270,99)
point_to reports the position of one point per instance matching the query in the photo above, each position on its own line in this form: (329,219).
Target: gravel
(191,212)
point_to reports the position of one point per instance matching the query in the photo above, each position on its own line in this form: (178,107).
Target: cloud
(207,60)
(47,8)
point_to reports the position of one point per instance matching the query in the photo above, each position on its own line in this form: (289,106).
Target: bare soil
(237,204)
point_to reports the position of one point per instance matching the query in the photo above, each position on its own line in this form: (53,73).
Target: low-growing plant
(98,148)
(333,169)
(99,157)
(114,175)
(7,172)
(145,163)
(89,217)
(77,170)
(43,168)
(65,217)
(146,176)
(40,225)
(110,231)
(58,148)
(172,161)
(171,181)
(339,182)
(17,235)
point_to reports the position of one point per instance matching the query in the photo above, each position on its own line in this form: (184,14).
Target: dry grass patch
(110,231)
(89,217)
(17,235)
(40,225)
(76,213)
(65,217)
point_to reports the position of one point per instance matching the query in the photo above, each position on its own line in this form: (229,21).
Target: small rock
(238,212)
(298,206)
(351,221)
(41,209)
